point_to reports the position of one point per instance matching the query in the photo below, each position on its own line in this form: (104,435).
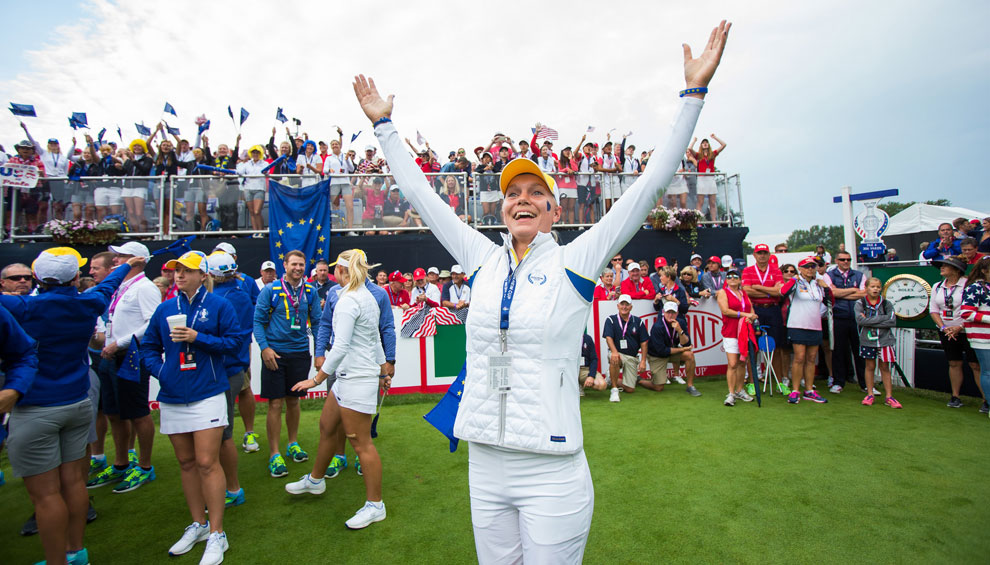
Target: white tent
(926,218)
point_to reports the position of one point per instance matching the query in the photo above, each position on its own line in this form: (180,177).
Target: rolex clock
(909,294)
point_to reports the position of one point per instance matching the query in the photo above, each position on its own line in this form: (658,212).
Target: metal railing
(172,206)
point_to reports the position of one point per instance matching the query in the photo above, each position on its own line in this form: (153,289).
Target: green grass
(677,479)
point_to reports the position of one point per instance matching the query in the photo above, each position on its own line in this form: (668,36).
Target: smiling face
(529,207)
(381,278)
(284,148)
(295,268)
(608,278)
(165,147)
(624,309)
(335,146)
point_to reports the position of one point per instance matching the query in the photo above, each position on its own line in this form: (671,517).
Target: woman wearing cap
(737,319)
(690,284)
(139,163)
(712,278)
(705,158)
(531,491)
(804,327)
(567,184)
(945,307)
(976,318)
(357,358)
(254,188)
(194,331)
(309,164)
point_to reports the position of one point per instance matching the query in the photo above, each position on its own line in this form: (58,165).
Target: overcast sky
(810,96)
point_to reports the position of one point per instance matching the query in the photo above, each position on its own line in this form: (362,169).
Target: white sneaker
(367,515)
(680,381)
(876,392)
(786,381)
(216,544)
(741,395)
(614,395)
(194,534)
(836,389)
(305,484)
(730,399)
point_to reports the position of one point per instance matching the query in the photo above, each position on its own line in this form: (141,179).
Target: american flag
(546,133)
(422,320)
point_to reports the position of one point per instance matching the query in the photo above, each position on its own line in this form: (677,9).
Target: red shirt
(601,293)
(977,257)
(706,165)
(397,298)
(643,290)
(36,161)
(752,275)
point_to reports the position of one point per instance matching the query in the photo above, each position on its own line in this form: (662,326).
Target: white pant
(529,507)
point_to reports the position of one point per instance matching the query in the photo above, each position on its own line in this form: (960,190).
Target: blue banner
(299,219)
(170,110)
(445,412)
(23,110)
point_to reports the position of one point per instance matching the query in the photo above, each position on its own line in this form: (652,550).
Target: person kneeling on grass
(195,331)
(588,374)
(875,317)
(358,359)
(669,342)
(626,335)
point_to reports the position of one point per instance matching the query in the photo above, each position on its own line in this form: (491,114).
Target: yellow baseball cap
(523,166)
(67,251)
(190,259)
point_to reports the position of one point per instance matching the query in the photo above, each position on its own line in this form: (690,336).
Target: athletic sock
(100,458)
(379,505)
(146,469)
(314,481)
(120,467)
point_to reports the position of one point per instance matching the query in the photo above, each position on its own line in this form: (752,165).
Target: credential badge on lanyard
(499,365)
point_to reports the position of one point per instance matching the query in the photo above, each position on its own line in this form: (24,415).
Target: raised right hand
(372,103)
(698,72)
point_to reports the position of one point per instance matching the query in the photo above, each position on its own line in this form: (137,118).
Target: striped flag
(427,319)
(547,133)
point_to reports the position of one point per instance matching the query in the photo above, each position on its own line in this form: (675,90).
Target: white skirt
(568,193)
(200,415)
(706,184)
(491,195)
(677,186)
(357,393)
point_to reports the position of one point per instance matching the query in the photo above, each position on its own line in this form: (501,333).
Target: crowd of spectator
(98,180)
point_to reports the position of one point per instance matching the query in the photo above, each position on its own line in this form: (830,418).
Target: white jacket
(357,344)
(554,290)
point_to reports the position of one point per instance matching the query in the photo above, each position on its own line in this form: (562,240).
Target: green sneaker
(784,389)
(296,453)
(750,389)
(250,443)
(233,498)
(276,466)
(357,465)
(337,464)
(107,476)
(132,458)
(97,467)
(134,479)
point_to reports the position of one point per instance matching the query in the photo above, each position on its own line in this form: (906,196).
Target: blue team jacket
(234,293)
(18,355)
(62,320)
(272,315)
(218,335)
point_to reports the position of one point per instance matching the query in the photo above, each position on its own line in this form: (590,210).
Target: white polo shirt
(131,310)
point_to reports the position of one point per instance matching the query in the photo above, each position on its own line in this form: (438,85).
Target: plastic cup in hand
(175,321)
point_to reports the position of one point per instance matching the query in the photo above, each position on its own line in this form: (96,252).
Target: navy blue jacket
(588,353)
(218,335)
(234,293)
(843,307)
(62,320)
(18,355)
(249,286)
(386,321)
(660,342)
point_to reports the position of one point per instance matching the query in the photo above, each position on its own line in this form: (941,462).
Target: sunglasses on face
(18,277)
(617,259)
(790,272)
(846,260)
(732,276)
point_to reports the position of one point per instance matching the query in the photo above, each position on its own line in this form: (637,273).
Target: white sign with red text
(704,326)
(19,176)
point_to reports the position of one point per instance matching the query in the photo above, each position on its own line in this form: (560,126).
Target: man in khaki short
(626,336)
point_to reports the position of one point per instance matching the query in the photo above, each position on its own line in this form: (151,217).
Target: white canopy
(925,218)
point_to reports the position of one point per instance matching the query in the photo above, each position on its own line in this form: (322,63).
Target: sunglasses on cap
(18,277)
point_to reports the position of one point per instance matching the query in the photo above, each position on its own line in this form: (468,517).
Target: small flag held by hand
(244,115)
(142,129)
(99,136)
(80,119)
(23,110)
(204,126)
(420,139)
(172,130)
(120,134)
(591,129)
(546,132)
(280,116)
(354,136)
(169,109)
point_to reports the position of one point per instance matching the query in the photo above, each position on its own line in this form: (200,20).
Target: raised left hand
(698,72)
(374,106)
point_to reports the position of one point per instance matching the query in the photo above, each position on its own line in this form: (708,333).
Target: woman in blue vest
(184,348)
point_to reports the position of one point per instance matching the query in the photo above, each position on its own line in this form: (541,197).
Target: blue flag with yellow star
(299,218)
(445,412)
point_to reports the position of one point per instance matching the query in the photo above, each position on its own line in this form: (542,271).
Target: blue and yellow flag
(445,412)
(299,218)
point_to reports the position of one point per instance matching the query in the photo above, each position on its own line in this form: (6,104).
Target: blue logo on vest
(558,439)
(536,278)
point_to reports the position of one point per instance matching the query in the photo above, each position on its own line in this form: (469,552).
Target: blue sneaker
(357,466)
(96,466)
(132,458)
(3,480)
(337,464)
(815,397)
(135,478)
(276,466)
(107,476)
(80,557)
(234,498)
(296,453)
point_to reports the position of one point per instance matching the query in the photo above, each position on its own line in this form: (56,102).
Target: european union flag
(299,218)
(178,247)
(280,116)
(130,368)
(99,136)
(244,116)
(445,412)
(172,130)
(204,126)
(230,112)
(170,109)
(23,110)
(142,129)
(80,119)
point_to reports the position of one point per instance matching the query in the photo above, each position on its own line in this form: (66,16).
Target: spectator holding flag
(875,318)
(309,164)
(32,202)
(138,164)
(229,195)
(56,165)
(254,188)
(567,184)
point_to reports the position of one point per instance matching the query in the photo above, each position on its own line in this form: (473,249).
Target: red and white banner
(19,176)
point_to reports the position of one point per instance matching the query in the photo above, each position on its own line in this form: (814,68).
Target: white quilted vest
(541,412)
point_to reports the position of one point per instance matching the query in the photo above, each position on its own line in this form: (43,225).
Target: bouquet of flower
(673,219)
(82,232)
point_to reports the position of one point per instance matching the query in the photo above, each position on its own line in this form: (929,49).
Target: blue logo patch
(558,439)
(536,278)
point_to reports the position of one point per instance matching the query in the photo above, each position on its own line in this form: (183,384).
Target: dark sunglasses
(732,276)
(618,259)
(18,278)
(790,271)
(844,260)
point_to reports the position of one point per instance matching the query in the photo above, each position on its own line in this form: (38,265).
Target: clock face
(909,295)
